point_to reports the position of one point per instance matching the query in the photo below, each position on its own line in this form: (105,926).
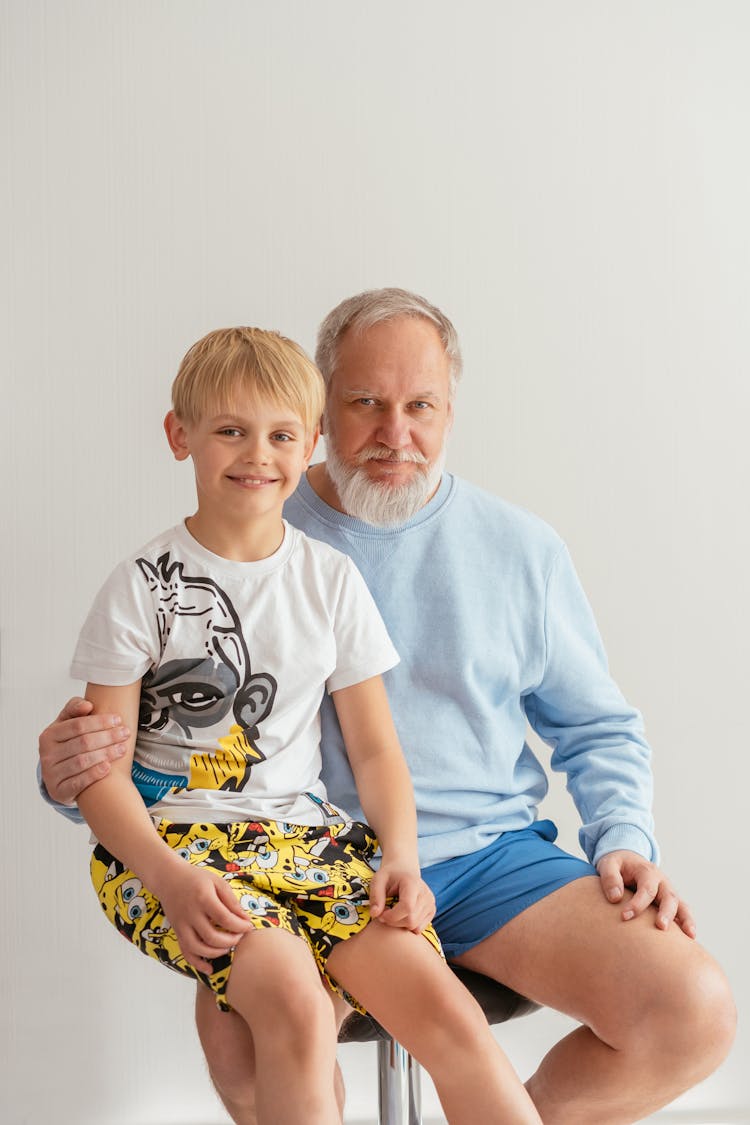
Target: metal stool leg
(399,1087)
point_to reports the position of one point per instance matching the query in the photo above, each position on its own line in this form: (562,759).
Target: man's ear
(310,446)
(176,436)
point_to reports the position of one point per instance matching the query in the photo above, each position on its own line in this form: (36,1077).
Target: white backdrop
(570,181)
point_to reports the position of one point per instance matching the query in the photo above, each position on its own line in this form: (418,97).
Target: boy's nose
(256,450)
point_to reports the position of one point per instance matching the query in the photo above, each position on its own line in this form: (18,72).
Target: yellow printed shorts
(311,881)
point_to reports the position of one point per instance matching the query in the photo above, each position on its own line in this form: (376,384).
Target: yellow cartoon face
(130,902)
(258,904)
(301,872)
(197,844)
(126,902)
(340,917)
(121,897)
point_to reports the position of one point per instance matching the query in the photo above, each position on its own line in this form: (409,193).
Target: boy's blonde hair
(230,360)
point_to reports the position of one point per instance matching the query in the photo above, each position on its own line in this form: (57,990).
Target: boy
(216,641)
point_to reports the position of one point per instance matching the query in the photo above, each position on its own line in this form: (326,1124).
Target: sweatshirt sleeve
(70,812)
(597,739)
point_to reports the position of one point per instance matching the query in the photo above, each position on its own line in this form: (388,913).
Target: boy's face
(247,458)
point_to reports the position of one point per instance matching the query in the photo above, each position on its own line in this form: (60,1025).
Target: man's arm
(76,750)
(598,740)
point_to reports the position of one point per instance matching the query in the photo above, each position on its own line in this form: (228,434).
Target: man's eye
(365,401)
(419,405)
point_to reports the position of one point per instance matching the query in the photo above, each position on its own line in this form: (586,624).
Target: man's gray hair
(373,307)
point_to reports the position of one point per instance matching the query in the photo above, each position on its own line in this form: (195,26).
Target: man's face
(388,414)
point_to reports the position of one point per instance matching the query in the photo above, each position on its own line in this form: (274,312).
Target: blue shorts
(478,893)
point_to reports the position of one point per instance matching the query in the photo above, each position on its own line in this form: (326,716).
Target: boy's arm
(74,751)
(385,792)
(204,913)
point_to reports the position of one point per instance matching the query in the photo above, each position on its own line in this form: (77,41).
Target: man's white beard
(377,502)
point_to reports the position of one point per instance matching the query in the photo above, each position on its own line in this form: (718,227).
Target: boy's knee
(455,1015)
(296,1011)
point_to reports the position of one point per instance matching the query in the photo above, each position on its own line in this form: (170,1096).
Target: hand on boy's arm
(415,905)
(77,749)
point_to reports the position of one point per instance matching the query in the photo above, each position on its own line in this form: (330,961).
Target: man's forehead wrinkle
(375,391)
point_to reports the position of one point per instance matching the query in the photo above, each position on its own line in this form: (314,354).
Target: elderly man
(484,606)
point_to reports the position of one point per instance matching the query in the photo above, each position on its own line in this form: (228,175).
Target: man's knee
(702,1019)
(685,1023)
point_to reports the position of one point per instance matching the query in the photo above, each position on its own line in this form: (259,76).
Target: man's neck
(323,486)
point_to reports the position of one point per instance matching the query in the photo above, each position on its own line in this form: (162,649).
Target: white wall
(571,183)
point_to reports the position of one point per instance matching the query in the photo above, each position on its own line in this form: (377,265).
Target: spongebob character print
(311,881)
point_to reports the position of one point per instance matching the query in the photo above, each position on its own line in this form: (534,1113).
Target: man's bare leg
(228,1047)
(657,1012)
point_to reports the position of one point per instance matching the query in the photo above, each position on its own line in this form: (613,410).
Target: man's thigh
(571,951)
(481,892)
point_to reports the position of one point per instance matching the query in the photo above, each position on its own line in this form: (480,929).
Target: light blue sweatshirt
(493,629)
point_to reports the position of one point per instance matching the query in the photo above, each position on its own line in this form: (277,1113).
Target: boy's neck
(248,541)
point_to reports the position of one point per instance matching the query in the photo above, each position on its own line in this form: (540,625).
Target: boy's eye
(283,437)
(229,431)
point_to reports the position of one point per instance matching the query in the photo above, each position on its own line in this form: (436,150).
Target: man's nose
(394,429)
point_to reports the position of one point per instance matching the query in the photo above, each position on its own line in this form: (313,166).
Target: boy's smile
(248,459)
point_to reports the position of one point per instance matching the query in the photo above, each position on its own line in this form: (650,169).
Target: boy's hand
(415,907)
(203,912)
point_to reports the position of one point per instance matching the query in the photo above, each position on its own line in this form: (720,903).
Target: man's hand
(618,870)
(76,750)
(415,907)
(202,911)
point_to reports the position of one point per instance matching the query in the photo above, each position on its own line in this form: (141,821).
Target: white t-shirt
(234,658)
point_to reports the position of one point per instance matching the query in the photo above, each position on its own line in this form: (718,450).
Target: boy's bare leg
(657,1012)
(275,986)
(228,1047)
(398,977)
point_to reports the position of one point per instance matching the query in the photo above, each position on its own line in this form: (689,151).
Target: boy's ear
(176,436)
(311,443)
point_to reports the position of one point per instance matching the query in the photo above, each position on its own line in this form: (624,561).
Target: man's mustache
(379,453)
